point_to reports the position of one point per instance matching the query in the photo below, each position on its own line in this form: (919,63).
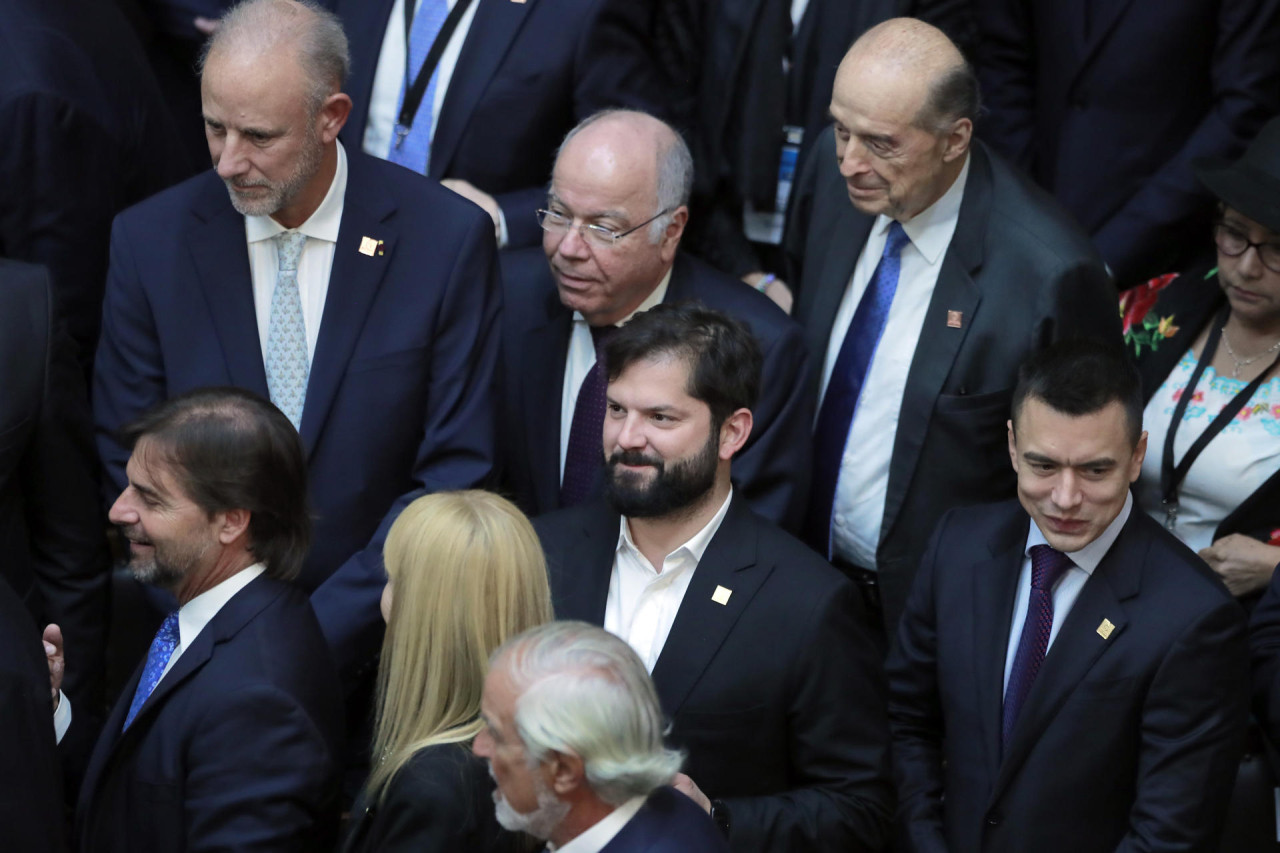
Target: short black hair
(1079,376)
(954,94)
(723,356)
(230,449)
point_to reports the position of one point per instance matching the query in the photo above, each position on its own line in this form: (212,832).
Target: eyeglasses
(1233,243)
(555,222)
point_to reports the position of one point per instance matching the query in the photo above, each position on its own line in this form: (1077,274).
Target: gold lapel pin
(721,595)
(955,319)
(1105,629)
(368,246)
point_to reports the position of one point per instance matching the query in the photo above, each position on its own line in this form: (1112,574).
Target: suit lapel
(701,625)
(587,566)
(851,229)
(221,260)
(939,343)
(353,282)
(544,355)
(493,28)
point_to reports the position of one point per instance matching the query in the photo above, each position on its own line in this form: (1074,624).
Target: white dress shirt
(858,510)
(582,357)
(595,838)
(643,600)
(199,611)
(1067,590)
(321,229)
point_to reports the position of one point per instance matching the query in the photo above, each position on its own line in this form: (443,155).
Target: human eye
(615,409)
(602,235)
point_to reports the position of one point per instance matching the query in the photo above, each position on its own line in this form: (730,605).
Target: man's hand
(776,289)
(469,191)
(1244,564)
(57,663)
(690,789)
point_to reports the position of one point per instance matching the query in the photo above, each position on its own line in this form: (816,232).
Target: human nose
(853,159)
(229,158)
(573,244)
(1066,491)
(123,511)
(630,434)
(1250,262)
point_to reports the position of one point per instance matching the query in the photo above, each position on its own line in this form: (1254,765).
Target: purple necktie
(585,453)
(1047,566)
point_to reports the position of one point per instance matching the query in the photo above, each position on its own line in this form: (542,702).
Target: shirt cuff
(62,716)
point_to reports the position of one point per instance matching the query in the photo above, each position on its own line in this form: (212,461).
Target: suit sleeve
(1192,736)
(1264,649)
(457,450)
(427,809)
(1080,300)
(840,798)
(1006,69)
(915,713)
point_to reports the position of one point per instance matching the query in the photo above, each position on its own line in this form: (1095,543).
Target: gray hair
(268,25)
(953,95)
(675,166)
(584,692)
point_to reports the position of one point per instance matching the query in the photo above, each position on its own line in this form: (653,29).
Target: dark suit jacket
(1021,274)
(527,73)
(441,801)
(30,786)
(776,695)
(83,134)
(1107,102)
(238,747)
(668,822)
(400,397)
(51,524)
(772,471)
(1264,647)
(1127,742)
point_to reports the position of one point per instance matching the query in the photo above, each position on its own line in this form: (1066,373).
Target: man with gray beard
(359,297)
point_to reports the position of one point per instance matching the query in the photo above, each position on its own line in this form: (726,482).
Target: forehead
(148,467)
(660,380)
(1255,229)
(1070,439)
(599,172)
(247,88)
(877,96)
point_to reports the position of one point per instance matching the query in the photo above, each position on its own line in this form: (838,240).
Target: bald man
(614,217)
(928,270)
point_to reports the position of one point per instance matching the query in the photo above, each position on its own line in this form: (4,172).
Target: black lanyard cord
(413,94)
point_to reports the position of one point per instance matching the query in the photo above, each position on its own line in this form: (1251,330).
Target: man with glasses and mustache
(772,687)
(614,217)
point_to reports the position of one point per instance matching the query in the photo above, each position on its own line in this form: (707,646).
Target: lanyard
(413,94)
(1171,476)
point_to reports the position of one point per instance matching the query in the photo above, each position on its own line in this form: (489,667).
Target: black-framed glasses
(1233,243)
(554,222)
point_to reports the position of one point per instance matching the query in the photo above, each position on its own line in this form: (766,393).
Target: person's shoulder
(798,569)
(203,194)
(668,822)
(569,524)
(442,773)
(1170,568)
(417,195)
(723,292)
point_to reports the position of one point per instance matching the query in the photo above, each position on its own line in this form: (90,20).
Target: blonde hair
(468,574)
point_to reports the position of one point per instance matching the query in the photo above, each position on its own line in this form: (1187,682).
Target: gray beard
(540,822)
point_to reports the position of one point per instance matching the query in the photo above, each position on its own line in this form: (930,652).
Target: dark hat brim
(1242,187)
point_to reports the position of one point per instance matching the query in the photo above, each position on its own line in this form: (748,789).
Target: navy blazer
(239,747)
(1264,649)
(668,822)
(1019,274)
(1130,737)
(401,393)
(527,73)
(771,471)
(1107,103)
(776,695)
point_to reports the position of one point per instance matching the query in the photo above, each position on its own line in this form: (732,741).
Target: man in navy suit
(573,737)
(614,218)
(1067,675)
(229,735)
(361,298)
(513,79)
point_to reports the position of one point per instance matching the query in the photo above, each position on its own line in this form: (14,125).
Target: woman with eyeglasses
(465,572)
(1208,348)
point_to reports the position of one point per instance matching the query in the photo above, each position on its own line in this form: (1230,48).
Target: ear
(734,433)
(232,524)
(1013,445)
(333,115)
(566,773)
(671,237)
(957,140)
(1139,454)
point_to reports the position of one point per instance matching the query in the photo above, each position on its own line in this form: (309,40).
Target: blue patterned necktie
(157,658)
(585,452)
(1047,566)
(287,364)
(414,150)
(835,418)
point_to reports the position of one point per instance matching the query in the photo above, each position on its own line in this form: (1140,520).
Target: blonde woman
(465,573)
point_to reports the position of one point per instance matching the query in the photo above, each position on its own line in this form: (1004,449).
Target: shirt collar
(1090,555)
(698,542)
(595,838)
(322,224)
(199,611)
(659,293)
(931,229)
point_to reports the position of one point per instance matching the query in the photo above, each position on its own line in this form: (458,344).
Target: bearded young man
(773,688)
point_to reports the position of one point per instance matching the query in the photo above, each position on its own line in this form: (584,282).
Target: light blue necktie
(414,152)
(157,658)
(287,364)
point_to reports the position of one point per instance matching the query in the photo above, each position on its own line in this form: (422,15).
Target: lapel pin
(721,595)
(1105,629)
(368,246)
(955,319)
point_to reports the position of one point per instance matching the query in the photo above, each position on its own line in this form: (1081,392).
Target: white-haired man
(573,737)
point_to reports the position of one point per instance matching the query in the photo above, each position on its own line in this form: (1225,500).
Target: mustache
(633,457)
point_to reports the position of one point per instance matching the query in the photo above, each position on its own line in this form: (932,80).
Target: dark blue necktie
(157,658)
(850,371)
(585,452)
(1047,566)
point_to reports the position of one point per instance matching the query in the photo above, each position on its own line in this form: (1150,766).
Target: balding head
(903,103)
(617,170)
